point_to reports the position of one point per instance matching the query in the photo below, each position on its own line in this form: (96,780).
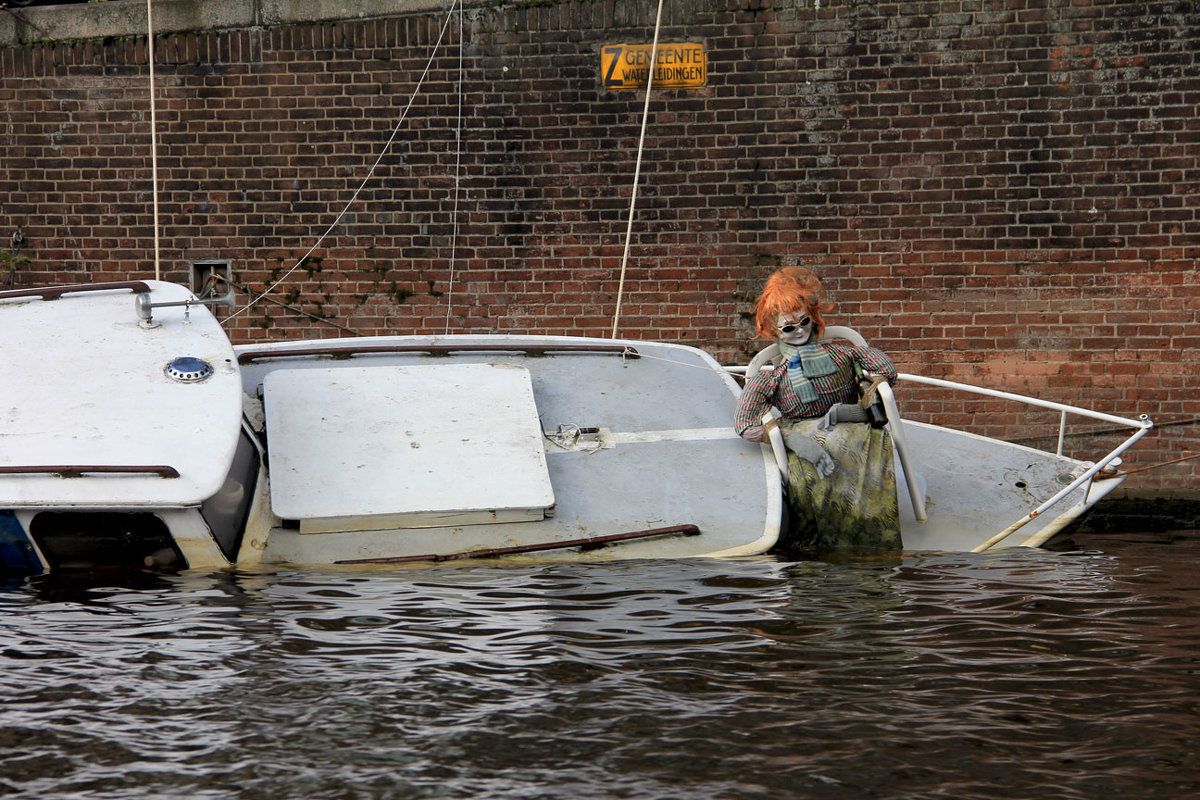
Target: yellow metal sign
(676,65)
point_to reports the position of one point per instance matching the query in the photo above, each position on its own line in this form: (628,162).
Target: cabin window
(91,539)
(226,512)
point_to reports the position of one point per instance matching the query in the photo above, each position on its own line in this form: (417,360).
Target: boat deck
(635,436)
(88,414)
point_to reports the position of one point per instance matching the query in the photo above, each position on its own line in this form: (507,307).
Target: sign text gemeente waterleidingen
(676,65)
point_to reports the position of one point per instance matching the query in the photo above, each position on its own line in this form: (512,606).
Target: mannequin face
(794,328)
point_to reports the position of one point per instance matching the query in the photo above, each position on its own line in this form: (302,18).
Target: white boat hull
(136,435)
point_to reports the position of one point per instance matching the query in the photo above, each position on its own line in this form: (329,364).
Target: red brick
(1013,200)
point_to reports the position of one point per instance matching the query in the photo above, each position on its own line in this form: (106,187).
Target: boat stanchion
(145,308)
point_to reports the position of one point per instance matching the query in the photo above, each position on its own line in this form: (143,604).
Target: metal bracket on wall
(211,280)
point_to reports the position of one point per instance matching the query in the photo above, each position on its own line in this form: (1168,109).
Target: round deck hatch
(188,369)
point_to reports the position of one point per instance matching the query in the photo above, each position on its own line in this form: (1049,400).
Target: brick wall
(998,191)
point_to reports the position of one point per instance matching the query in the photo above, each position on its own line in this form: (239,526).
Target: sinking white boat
(135,434)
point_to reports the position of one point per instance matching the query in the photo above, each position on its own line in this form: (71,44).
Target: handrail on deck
(1141,422)
(348,351)
(79,470)
(55,292)
(585,544)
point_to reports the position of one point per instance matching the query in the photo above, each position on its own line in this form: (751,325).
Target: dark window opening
(90,539)
(226,512)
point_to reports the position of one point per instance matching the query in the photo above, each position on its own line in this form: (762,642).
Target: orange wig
(789,290)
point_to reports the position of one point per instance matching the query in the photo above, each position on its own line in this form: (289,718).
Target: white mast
(153,137)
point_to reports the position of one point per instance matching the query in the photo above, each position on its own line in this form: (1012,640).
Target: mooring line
(637,170)
(370,173)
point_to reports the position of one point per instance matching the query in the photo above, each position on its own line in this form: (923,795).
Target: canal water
(1018,674)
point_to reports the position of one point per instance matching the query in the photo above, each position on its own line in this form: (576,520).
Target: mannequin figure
(841,486)
(816,375)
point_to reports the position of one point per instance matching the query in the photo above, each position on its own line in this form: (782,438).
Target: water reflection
(934,675)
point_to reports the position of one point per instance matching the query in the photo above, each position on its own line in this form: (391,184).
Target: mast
(153,137)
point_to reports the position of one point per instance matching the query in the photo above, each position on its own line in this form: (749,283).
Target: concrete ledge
(120,18)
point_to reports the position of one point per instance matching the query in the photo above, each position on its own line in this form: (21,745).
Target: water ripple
(1014,674)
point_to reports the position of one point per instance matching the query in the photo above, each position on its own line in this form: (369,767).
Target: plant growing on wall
(10,263)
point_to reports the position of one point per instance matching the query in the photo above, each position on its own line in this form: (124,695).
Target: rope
(871,392)
(457,162)
(1160,464)
(300,311)
(1096,432)
(706,368)
(370,173)
(637,170)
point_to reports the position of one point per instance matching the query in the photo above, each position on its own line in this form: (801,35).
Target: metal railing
(1141,426)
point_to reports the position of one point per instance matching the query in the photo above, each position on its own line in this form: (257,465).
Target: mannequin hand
(843,412)
(753,434)
(811,451)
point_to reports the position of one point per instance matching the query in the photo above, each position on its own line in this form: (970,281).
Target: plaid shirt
(774,389)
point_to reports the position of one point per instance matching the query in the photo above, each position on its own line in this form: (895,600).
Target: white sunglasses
(792,327)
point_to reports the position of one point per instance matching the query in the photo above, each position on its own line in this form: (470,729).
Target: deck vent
(188,369)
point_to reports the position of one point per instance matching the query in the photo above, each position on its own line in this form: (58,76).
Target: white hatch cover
(369,448)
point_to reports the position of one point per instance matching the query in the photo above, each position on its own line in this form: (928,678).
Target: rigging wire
(295,310)
(637,170)
(370,173)
(457,162)
(1189,457)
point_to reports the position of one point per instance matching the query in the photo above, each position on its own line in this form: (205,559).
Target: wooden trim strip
(585,544)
